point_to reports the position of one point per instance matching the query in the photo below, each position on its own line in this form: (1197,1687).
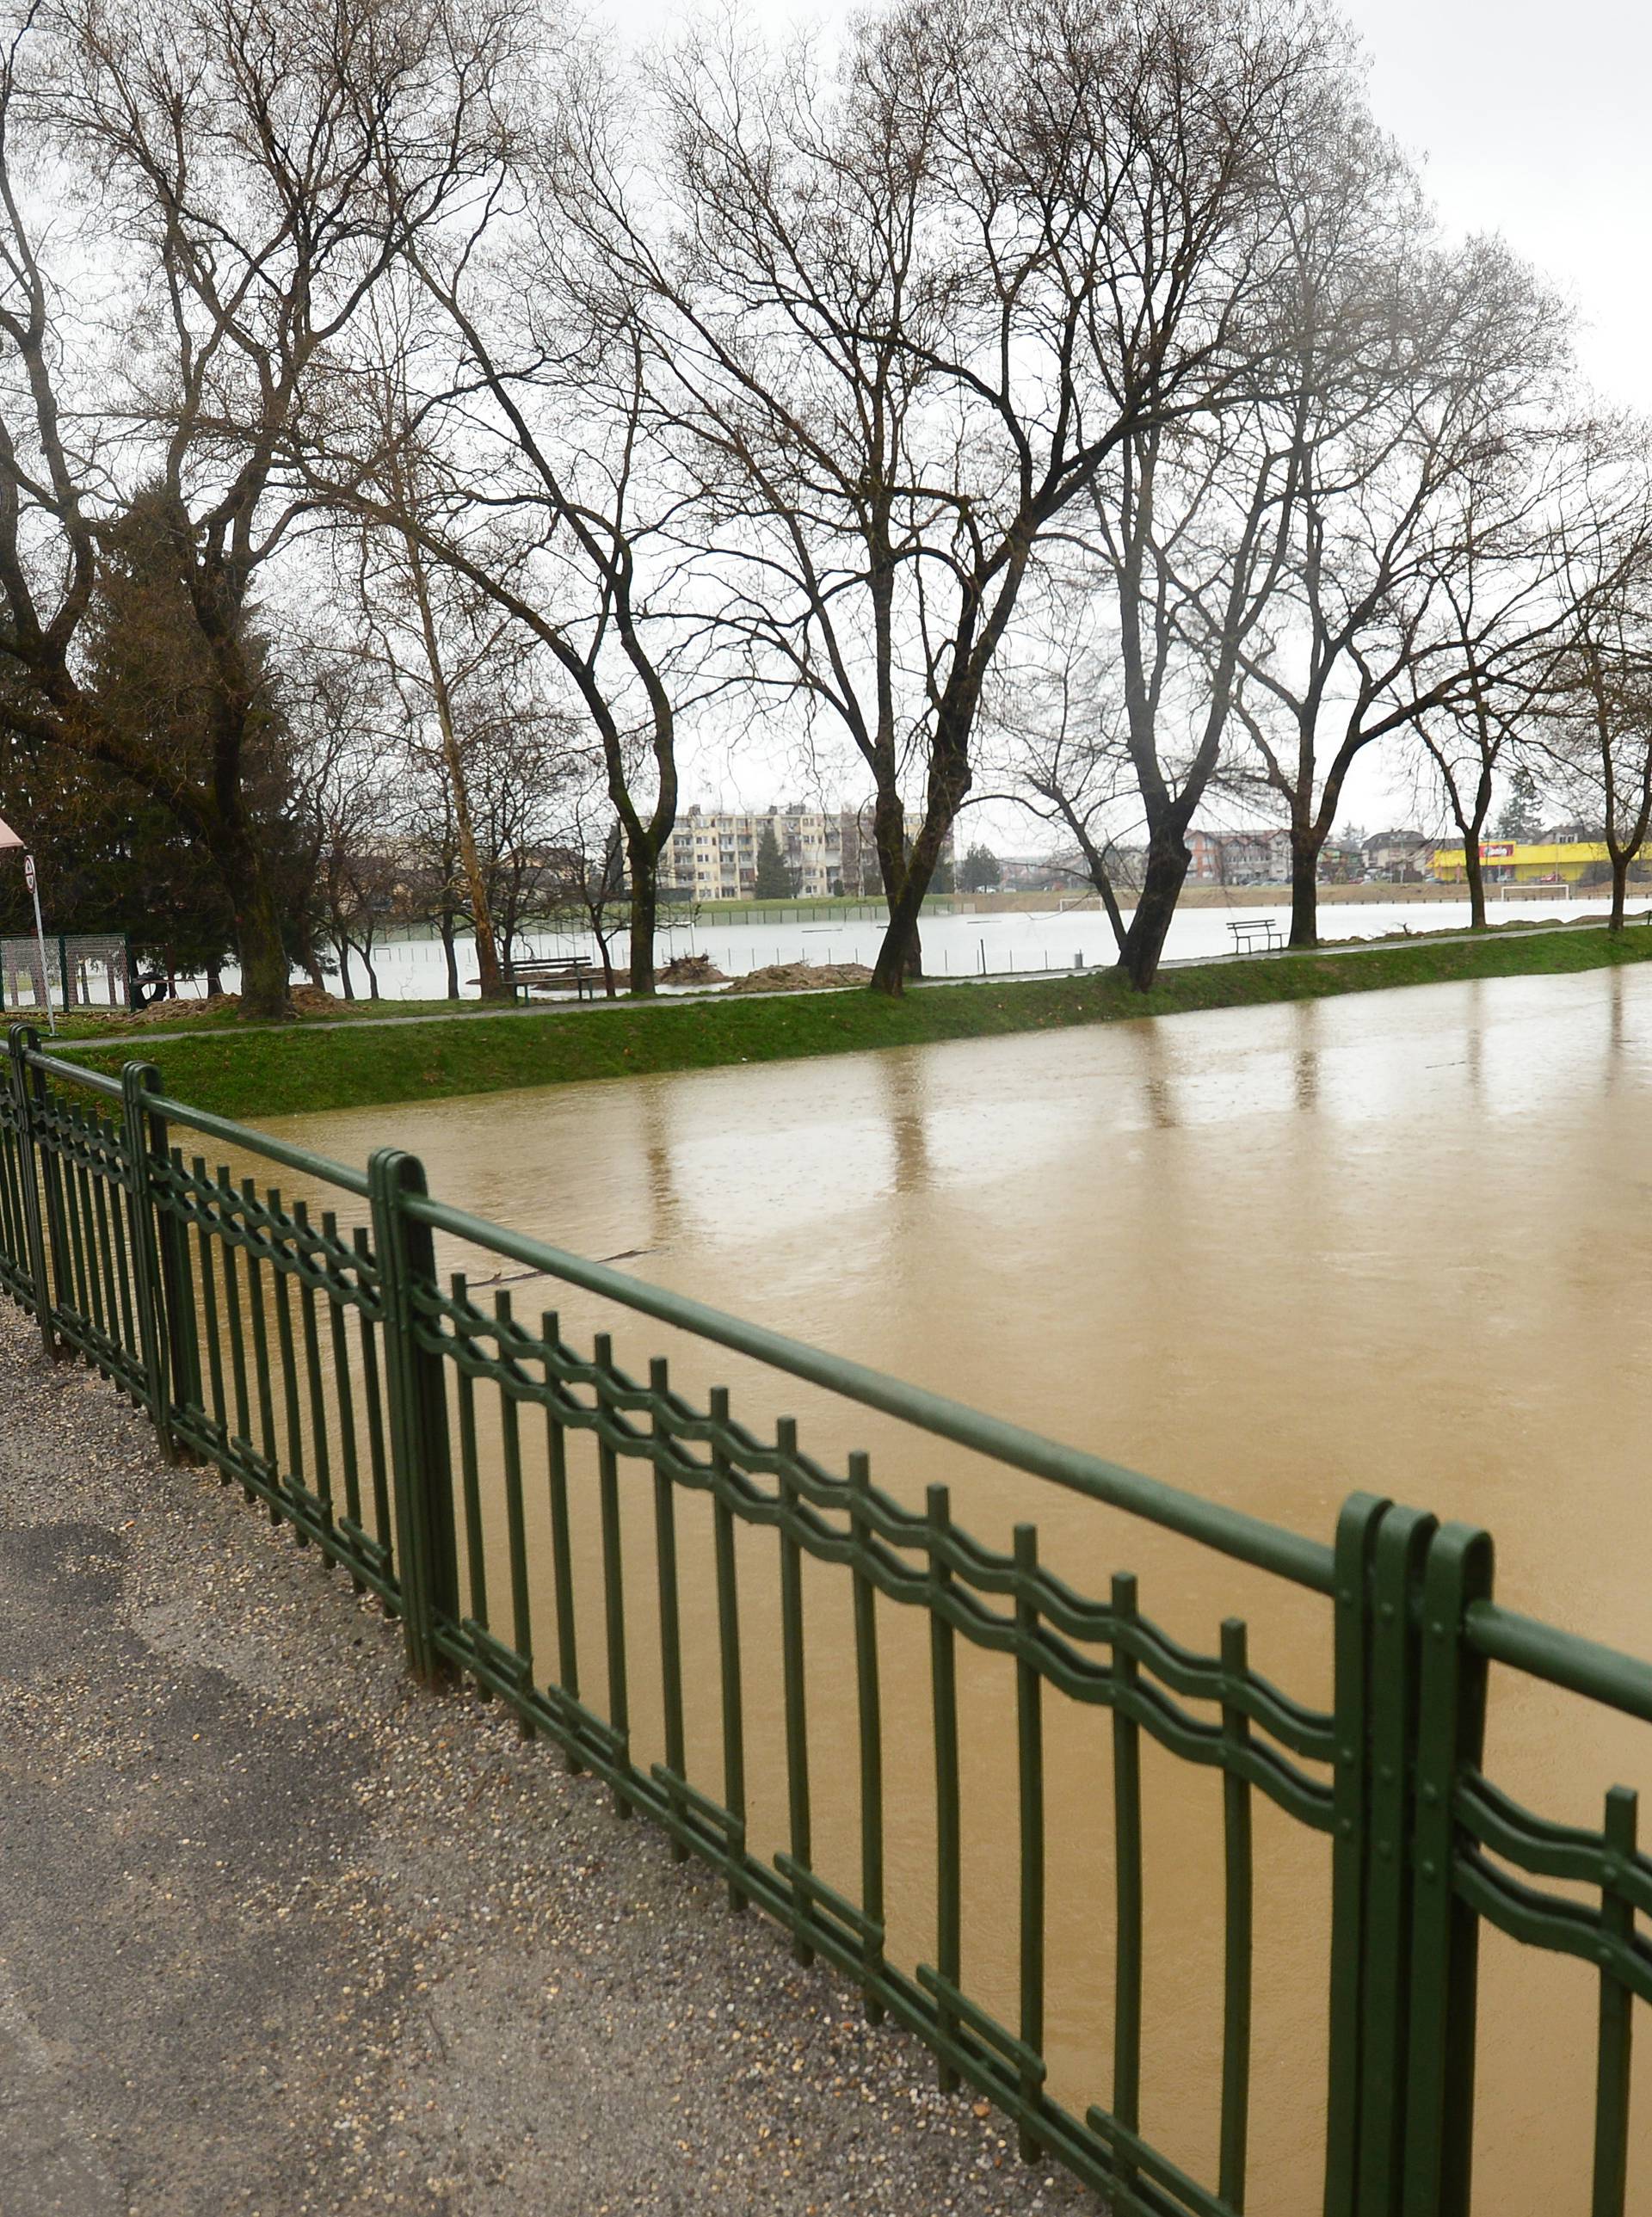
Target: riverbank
(286,1072)
(281,1934)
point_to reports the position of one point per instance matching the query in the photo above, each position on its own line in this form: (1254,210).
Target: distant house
(1396,857)
(1067,868)
(1341,863)
(1024,874)
(1258,856)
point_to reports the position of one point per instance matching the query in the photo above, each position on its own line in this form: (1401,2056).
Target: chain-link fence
(86,970)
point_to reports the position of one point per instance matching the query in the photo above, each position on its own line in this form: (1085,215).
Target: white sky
(1528,120)
(1532,120)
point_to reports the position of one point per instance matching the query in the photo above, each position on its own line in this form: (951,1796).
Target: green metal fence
(445,1452)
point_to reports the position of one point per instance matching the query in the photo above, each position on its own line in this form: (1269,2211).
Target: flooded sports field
(1068,933)
(1399,1241)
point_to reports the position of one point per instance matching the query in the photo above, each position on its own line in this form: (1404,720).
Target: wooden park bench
(553,973)
(1252,932)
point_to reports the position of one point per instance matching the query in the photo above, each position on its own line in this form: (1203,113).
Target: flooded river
(1396,1240)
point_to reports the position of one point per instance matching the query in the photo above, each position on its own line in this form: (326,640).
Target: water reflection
(656,1138)
(1392,1240)
(904,1082)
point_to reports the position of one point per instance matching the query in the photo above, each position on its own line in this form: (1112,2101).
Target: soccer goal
(1547,889)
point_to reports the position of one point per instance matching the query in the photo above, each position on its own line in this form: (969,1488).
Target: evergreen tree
(1521,818)
(111,857)
(980,871)
(774,879)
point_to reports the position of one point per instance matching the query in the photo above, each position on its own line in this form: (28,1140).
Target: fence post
(1381,1552)
(425,1541)
(136,1078)
(1402,1543)
(54,1238)
(1445,1929)
(1356,1536)
(161,1258)
(20,1038)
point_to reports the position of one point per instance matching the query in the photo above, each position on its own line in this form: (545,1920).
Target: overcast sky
(1528,121)
(1533,121)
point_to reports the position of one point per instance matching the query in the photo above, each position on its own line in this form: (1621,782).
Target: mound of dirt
(169,1011)
(692,970)
(307,1001)
(802,977)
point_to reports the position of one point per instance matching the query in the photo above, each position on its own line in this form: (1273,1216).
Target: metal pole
(40,942)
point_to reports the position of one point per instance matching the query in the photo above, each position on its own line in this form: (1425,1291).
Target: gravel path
(281,1935)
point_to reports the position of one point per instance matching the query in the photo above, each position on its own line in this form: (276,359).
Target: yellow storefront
(1517,862)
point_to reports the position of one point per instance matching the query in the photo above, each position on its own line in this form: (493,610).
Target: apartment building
(1258,856)
(712,854)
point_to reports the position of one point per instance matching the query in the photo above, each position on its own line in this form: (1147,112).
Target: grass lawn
(279,1070)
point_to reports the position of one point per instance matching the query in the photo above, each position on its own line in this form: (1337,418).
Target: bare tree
(516,765)
(1184,549)
(432,885)
(1458,365)
(1598,712)
(231,158)
(434,634)
(1186,537)
(1495,585)
(355,874)
(539,484)
(909,315)
(586,866)
(1057,717)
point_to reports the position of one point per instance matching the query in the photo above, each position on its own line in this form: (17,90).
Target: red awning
(8,836)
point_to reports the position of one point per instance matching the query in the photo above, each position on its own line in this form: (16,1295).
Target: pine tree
(980,871)
(111,857)
(774,879)
(1521,818)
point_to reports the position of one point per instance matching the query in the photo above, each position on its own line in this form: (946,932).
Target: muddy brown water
(1398,1241)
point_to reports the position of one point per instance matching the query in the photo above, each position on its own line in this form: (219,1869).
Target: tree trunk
(449,952)
(1103,885)
(645,908)
(901,956)
(1620,888)
(258,937)
(1304,888)
(214,981)
(891,970)
(1475,878)
(488,971)
(345,987)
(1166,868)
(893,863)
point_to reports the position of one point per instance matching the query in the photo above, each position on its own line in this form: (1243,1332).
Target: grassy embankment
(280,1072)
(109,1024)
